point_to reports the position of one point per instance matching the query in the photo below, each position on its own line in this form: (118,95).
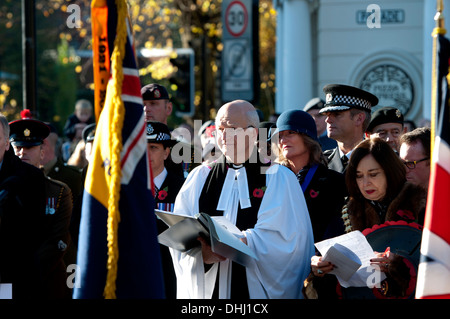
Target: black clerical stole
(246,218)
(212,189)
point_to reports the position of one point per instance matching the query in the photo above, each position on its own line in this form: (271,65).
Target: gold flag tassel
(438,30)
(117,111)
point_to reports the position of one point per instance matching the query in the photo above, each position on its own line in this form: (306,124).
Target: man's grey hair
(5,126)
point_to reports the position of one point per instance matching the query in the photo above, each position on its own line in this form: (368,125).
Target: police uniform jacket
(169,188)
(334,160)
(166,196)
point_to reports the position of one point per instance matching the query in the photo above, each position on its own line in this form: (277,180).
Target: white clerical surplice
(281,238)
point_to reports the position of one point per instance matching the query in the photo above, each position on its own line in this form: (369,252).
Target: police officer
(26,137)
(348,112)
(167,185)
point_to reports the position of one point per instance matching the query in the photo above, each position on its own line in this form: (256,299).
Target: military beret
(339,97)
(314,104)
(158,132)
(28,132)
(385,115)
(154,91)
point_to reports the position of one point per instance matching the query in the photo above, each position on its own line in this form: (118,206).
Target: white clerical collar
(240,175)
(159,180)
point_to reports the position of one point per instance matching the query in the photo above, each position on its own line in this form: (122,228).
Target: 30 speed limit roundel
(236,18)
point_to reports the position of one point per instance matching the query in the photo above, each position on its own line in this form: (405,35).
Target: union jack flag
(433,280)
(123,185)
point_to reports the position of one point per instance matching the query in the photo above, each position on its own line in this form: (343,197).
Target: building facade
(384,47)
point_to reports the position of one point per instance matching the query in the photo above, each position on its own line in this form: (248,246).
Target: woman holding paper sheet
(379,193)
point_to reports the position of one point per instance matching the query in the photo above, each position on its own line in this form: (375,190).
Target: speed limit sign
(238,54)
(236,18)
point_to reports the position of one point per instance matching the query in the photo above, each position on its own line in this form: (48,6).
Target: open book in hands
(223,235)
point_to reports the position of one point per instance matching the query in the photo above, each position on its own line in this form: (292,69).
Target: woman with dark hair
(379,193)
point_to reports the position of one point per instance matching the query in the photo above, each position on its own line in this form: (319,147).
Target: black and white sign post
(237,54)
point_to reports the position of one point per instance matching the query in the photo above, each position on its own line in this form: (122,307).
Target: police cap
(339,97)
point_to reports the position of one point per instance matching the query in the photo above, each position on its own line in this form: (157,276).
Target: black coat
(325,196)
(22,214)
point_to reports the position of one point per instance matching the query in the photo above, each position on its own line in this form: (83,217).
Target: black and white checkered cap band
(160,137)
(344,102)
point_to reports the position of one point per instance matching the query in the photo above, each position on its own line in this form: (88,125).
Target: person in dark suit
(22,212)
(348,112)
(167,183)
(26,137)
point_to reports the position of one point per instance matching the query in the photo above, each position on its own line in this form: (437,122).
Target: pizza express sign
(392,85)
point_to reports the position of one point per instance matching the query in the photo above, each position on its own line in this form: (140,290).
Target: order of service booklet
(351,254)
(224,236)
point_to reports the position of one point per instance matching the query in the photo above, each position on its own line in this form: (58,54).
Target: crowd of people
(319,171)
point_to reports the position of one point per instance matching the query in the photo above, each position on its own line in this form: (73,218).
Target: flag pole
(438,30)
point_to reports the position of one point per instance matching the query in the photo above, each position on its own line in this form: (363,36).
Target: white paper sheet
(366,275)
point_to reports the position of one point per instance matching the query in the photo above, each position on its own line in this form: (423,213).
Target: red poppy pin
(259,192)
(313,193)
(162,194)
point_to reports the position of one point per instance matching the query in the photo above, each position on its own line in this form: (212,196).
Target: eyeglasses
(412,164)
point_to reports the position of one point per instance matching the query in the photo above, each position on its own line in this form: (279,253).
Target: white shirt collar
(342,153)
(159,180)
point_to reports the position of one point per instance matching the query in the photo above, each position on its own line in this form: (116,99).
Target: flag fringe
(118,110)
